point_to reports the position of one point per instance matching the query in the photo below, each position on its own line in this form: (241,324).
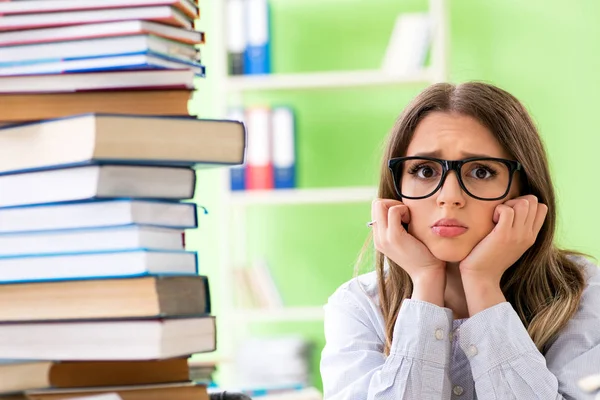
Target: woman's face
(451,136)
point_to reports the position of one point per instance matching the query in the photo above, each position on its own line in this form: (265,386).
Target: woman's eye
(480,173)
(426,172)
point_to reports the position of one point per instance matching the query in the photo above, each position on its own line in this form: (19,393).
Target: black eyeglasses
(483,178)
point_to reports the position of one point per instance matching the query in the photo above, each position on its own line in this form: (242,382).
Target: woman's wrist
(481,293)
(430,287)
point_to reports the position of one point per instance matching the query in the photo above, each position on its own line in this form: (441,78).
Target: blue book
(237,173)
(96,265)
(257,57)
(94,239)
(134,61)
(97,214)
(97,181)
(37,53)
(284,147)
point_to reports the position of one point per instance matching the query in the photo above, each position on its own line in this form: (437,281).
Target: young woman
(470,299)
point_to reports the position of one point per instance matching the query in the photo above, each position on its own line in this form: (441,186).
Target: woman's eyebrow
(438,154)
(435,153)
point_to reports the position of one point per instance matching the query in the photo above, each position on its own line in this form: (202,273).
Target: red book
(259,165)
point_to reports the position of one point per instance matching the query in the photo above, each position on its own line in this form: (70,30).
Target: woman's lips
(448,231)
(448,227)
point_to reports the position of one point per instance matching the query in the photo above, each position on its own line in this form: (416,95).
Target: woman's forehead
(453,136)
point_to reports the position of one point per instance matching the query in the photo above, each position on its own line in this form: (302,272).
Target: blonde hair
(544,286)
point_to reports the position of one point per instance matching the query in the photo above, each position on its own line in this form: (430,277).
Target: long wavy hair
(544,286)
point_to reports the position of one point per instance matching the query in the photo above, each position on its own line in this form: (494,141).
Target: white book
(165,14)
(267,286)
(408,44)
(258,120)
(88,31)
(97,81)
(98,214)
(96,181)
(107,340)
(73,49)
(126,263)
(106,396)
(90,240)
(141,61)
(236,35)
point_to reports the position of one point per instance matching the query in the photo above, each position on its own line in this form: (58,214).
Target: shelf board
(285,314)
(304,196)
(317,80)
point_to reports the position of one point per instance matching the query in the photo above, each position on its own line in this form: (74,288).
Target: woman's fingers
(505,216)
(396,216)
(540,217)
(387,216)
(521,209)
(533,208)
(379,214)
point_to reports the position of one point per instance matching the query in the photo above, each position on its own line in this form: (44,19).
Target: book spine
(259,171)
(283,138)
(257,57)
(237,174)
(236,36)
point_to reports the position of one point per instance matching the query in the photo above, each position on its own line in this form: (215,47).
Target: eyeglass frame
(453,165)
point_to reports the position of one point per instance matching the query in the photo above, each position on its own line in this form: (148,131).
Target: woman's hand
(427,273)
(518,222)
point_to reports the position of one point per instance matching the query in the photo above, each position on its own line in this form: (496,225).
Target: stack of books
(98,292)
(59,58)
(95,282)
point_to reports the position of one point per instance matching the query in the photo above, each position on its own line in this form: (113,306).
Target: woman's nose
(451,193)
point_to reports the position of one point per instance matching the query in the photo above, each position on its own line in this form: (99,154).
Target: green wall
(541,51)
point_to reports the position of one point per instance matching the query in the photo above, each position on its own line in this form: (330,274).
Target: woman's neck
(454,295)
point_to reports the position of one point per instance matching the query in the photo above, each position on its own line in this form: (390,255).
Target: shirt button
(439,334)
(453,334)
(458,390)
(472,350)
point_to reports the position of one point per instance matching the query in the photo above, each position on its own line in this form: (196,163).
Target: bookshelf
(323,80)
(232,233)
(303,196)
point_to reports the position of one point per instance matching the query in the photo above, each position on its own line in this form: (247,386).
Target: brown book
(33,107)
(161,296)
(127,138)
(177,391)
(20,376)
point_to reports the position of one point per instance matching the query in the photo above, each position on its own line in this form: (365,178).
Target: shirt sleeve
(506,364)
(353,365)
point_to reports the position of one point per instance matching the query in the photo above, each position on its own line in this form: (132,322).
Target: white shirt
(489,356)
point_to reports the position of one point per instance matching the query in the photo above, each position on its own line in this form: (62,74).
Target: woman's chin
(450,253)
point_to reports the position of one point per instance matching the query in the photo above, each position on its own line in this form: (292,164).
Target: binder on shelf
(408,45)
(257,57)
(259,168)
(283,139)
(236,36)
(238,172)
